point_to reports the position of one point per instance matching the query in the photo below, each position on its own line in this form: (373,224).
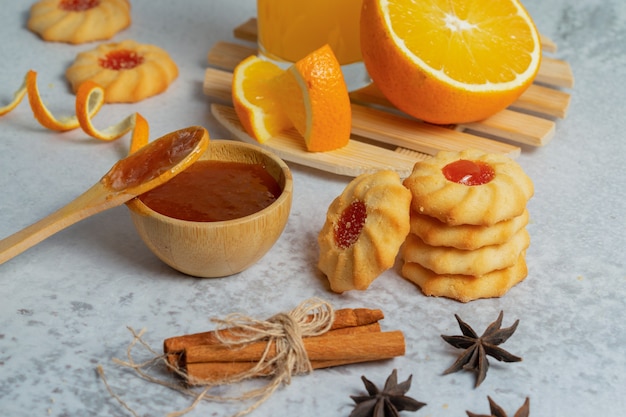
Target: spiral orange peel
(89,101)
(18,96)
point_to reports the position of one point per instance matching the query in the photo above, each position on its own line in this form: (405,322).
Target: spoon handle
(96,199)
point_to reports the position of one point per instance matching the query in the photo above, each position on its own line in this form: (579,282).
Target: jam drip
(468,173)
(350,224)
(78,5)
(121,60)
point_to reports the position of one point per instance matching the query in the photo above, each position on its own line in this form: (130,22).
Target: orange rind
(41,112)
(91,96)
(18,96)
(89,101)
(315,97)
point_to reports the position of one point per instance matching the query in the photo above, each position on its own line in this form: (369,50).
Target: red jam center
(468,172)
(121,60)
(78,5)
(350,224)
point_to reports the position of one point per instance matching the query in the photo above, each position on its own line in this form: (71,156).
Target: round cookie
(127,71)
(452,261)
(465,236)
(78,21)
(465,288)
(469,187)
(364,229)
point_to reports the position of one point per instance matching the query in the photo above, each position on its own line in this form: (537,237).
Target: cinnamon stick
(201,373)
(365,328)
(214,362)
(177,359)
(344,318)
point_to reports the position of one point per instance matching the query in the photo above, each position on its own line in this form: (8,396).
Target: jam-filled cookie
(364,229)
(469,187)
(127,71)
(78,21)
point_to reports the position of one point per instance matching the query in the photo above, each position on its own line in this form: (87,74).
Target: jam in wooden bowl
(219,216)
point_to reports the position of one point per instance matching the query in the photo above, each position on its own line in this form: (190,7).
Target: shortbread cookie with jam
(469,187)
(364,229)
(78,21)
(127,71)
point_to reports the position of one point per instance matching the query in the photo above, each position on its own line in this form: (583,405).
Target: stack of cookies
(468,234)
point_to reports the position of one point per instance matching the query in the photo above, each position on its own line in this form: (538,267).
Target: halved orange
(315,97)
(255,101)
(449,61)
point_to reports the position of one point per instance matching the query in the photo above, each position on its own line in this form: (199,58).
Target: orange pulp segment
(255,101)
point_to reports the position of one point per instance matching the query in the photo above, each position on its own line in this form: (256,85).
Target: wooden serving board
(385,138)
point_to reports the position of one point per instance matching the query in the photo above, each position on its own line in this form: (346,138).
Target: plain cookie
(452,261)
(466,288)
(465,236)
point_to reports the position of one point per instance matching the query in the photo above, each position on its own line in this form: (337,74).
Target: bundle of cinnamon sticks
(355,336)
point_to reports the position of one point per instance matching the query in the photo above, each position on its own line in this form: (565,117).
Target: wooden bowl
(221,248)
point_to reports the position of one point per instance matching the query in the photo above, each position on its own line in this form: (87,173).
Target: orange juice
(290,29)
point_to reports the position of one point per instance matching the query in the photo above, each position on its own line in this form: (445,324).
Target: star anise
(474,358)
(386,403)
(497,411)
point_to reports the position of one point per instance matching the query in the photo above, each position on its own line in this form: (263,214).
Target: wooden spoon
(149,167)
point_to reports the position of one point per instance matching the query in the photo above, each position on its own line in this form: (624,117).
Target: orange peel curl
(89,101)
(41,112)
(18,96)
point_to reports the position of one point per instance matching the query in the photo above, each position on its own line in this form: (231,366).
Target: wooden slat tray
(384,138)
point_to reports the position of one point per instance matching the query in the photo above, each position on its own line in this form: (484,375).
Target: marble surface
(66,303)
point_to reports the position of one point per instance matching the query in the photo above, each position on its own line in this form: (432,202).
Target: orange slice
(449,61)
(314,95)
(255,101)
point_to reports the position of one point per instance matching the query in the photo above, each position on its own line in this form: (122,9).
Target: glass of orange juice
(290,29)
